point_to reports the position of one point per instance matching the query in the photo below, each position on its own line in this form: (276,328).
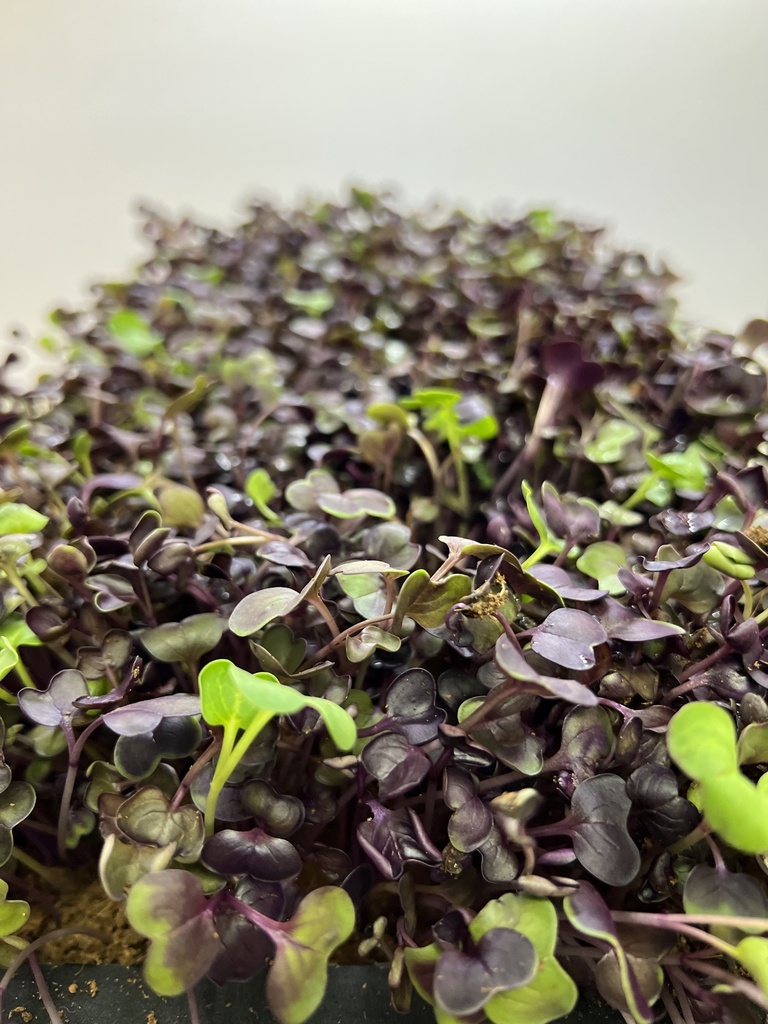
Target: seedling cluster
(393,589)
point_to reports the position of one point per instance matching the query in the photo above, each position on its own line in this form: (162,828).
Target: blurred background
(648,115)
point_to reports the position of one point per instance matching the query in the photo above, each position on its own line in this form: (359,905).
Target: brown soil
(80,901)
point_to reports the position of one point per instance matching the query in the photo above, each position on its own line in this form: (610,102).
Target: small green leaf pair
(243,704)
(439,406)
(702,741)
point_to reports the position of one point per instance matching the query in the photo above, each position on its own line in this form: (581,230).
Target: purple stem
(746,988)
(210,751)
(499,693)
(194,1013)
(669,1006)
(75,748)
(556,828)
(705,663)
(555,391)
(274,929)
(45,993)
(658,587)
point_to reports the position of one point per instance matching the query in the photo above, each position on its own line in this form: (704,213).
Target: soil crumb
(79,900)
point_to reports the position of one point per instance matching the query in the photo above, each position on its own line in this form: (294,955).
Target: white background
(651,115)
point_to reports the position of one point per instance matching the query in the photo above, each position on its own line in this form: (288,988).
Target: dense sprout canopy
(460,516)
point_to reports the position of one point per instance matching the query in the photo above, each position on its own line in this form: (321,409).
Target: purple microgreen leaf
(397,766)
(503,959)
(520,580)
(245,948)
(587,743)
(410,707)
(113,592)
(393,839)
(568,638)
(256,610)
(146,715)
(575,518)
(391,543)
(684,524)
(17,801)
(280,815)
(283,553)
(356,566)
(610,977)
(598,827)
(255,853)
(512,663)
(668,559)
(170,909)
(559,580)
(362,645)
(147,818)
(121,863)
(471,821)
(55,706)
(503,733)
(499,857)
(718,892)
(621,623)
(652,788)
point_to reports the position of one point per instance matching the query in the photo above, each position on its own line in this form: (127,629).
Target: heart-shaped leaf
(702,741)
(602,561)
(652,788)
(503,959)
(55,706)
(16,518)
(170,909)
(363,644)
(297,980)
(253,853)
(727,893)
(231,696)
(147,818)
(568,638)
(17,801)
(133,334)
(471,822)
(410,706)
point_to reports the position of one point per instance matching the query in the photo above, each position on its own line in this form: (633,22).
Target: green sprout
(441,417)
(243,704)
